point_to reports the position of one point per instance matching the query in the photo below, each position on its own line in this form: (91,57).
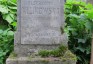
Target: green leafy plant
(8,9)
(6,44)
(58,52)
(79,25)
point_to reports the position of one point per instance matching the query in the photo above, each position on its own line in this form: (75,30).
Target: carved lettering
(41,21)
(40,10)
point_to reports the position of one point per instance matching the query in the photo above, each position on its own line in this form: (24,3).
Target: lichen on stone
(68,55)
(13,55)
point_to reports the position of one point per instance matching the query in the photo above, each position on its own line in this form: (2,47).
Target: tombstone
(90,1)
(40,25)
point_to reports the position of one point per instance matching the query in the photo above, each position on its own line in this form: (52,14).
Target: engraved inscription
(45,34)
(37,2)
(41,21)
(40,10)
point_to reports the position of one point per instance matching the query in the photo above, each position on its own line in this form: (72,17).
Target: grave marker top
(39,23)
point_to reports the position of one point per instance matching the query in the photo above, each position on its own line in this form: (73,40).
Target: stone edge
(38,60)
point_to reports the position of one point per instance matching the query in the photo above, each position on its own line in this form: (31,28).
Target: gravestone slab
(40,25)
(41,21)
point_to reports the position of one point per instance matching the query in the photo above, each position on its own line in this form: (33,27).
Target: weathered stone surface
(27,60)
(39,26)
(36,59)
(41,21)
(11,61)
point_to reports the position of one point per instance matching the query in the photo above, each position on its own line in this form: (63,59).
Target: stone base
(67,58)
(28,60)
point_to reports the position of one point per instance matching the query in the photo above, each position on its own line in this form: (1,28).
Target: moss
(69,56)
(44,53)
(55,53)
(13,55)
(61,51)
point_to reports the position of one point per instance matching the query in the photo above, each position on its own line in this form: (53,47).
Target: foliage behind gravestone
(8,9)
(79,26)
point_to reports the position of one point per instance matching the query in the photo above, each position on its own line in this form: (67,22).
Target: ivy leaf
(73,16)
(80,48)
(5,32)
(10,33)
(15,8)
(89,25)
(1,31)
(89,6)
(12,2)
(90,14)
(88,49)
(14,24)
(81,40)
(9,18)
(3,9)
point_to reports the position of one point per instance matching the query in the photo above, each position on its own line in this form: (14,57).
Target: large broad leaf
(83,17)
(15,8)
(89,25)
(10,33)
(5,32)
(81,40)
(82,49)
(90,14)
(1,31)
(12,2)
(14,24)
(3,9)
(12,9)
(9,17)
(89,6)
(3,27)
(73,16)
(88,49)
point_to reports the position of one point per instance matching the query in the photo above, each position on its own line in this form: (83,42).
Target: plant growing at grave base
(53,53)
(61,52)
(79,26)
(6,44)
